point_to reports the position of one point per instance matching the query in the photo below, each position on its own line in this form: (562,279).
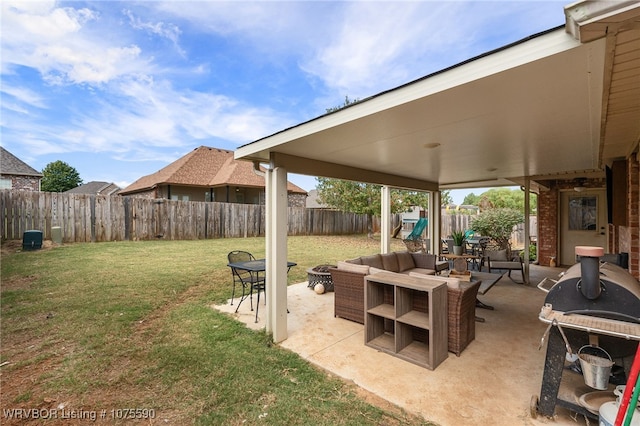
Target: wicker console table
(320,275)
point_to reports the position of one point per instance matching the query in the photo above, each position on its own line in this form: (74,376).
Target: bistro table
(257,266)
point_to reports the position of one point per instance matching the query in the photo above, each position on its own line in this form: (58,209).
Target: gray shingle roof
(96,187)
(12,165)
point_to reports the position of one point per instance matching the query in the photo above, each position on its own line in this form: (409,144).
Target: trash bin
(32,240)
(56,234)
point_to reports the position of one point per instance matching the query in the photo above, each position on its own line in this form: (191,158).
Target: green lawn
(122,325)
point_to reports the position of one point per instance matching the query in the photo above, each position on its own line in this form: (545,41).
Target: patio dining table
(257,266)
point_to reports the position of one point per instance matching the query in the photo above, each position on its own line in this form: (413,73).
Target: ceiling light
(431,145)
(579,184)
(492,169)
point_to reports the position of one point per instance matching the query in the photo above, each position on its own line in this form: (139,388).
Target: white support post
(435,211)
(385,220)
(276,211)
(527,231)
(268,189)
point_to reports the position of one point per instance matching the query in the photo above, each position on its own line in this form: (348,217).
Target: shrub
(497,224)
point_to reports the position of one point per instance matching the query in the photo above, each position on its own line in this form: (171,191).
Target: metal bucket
(596,369)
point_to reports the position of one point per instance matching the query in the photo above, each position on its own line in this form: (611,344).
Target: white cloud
(59,44)
(124,93)
(165,30)
(23,95)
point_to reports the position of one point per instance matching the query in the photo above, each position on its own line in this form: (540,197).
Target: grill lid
(603,290)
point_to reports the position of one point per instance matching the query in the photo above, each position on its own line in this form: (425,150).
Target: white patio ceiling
(548,107)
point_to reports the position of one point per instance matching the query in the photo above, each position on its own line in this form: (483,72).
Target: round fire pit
(320,275)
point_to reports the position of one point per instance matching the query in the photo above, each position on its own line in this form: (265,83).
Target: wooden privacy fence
(96,218)
(87,218)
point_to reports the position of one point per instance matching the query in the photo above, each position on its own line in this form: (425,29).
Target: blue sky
(119,90)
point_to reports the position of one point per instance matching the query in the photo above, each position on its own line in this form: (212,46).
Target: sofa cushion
(390,262)
(405,261)
(421,271)
(515,265)
(452,283)
(373,270)
(356,261)
(374,260)
(351,267)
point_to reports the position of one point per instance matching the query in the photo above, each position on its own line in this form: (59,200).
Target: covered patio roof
(562,103)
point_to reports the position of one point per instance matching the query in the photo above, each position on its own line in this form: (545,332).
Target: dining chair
(248,280)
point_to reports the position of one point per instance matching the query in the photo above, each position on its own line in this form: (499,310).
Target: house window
(583,213)
(5,183)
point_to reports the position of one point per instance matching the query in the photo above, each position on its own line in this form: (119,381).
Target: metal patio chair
(249,281)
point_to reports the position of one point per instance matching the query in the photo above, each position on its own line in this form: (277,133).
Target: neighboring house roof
(96,188)
(12,165)
(205,167)
(312,201)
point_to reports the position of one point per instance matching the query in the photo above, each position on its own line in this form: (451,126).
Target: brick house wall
(295,199)
(548,226)
(627,238)
(621,238)
(549,216)
(23,183)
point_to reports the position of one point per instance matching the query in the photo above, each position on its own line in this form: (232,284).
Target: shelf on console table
(407,317)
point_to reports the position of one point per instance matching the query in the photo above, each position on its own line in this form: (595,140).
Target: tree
(471,200)
(498,225)
(507,198)
(364,198)
(58,176)
(445,198)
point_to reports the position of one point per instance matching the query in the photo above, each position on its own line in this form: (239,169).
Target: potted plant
(458,241)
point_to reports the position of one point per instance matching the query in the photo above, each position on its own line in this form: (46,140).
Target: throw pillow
(499,255)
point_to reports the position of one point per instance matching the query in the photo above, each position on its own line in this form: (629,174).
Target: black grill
(593,303)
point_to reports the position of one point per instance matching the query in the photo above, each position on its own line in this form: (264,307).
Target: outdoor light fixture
(579,184)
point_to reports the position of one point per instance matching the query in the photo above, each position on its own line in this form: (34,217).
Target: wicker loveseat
(348,284)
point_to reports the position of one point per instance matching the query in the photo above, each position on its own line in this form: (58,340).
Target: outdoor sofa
(349,279)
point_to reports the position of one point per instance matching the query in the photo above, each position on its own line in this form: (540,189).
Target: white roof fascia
(588,20)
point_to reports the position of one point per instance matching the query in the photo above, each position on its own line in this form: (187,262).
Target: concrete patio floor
(492,382)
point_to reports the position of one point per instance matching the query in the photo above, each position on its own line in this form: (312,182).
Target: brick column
(548,227)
